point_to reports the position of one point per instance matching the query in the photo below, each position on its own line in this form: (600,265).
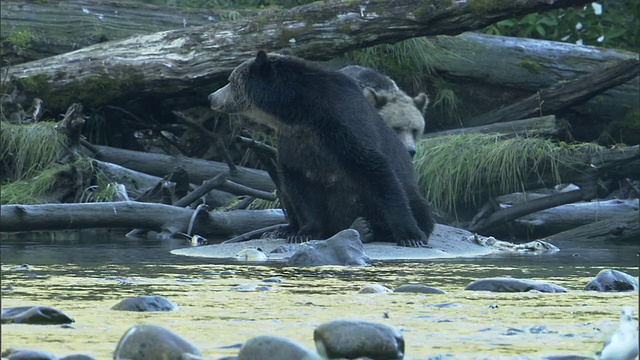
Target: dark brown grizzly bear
(337,160)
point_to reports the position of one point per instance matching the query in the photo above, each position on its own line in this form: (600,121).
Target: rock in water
(358,339)
(274,347)
(343,248)
(145,341)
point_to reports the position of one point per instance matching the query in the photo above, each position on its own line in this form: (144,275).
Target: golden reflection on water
(213,315)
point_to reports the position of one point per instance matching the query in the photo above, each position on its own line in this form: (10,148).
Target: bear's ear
(374,98)
(262,62)
(261,57)
(421,102)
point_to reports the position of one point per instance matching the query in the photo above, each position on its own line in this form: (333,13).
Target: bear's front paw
(420,241)
(298,239)
(284,232)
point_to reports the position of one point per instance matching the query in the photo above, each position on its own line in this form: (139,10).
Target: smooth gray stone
(612,280)
(146,342)
(274,347)
(417,288)
(26,354)
(513,285)
(356,339)
(344,248)
(38,315)
(146,303)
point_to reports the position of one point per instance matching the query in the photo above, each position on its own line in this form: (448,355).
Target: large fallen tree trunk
(170,61)
(564,94)
(570,216)
(166,219)
(488,72)
(199,170)
(545,126)
(624,228)
(48,22)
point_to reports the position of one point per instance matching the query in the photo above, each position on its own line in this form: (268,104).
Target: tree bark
(566,217)
(129,214)
(539,126)
(624,228)
(564,94)
(199,170)
(488,72)
(51,32)
(171,61)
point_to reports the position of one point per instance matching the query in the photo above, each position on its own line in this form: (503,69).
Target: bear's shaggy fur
(402,113)
(337,160)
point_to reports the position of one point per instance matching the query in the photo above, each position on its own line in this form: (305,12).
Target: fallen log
(584,170)
(488,72)
(539,126)
(47,22)
(199,170)
(566,217)
(624,228)
(166,219)
(484,221)
(172,61)
(564,94)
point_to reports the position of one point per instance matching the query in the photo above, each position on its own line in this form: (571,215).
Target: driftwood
(171,61)
(562,218)
(539,126)
(564,94)
(586,170)
(199,170)
(167,219)
(623,228)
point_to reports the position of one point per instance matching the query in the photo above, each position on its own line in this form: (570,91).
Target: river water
(86,273)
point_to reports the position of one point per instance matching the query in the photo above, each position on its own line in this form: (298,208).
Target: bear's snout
(220,99)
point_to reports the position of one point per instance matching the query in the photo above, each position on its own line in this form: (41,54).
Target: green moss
(288,35)
(93,91)
(345,28)
(422,13)
(530,64)
(20,38)
(486,6)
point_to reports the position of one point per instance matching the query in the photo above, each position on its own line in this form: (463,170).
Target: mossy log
(171,61)
(166,219)
(46,24)
(489,72)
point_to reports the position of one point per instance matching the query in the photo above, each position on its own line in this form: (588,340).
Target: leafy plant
(605,23)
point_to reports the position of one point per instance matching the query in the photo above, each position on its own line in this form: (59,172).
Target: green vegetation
(30,159)
(26,150)
(410,62)
(470,167)
(607,23)
(33,190)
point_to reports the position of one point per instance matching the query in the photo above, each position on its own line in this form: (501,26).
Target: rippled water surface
(84,275)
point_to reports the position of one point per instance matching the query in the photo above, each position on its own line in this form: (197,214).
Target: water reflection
(86,273)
